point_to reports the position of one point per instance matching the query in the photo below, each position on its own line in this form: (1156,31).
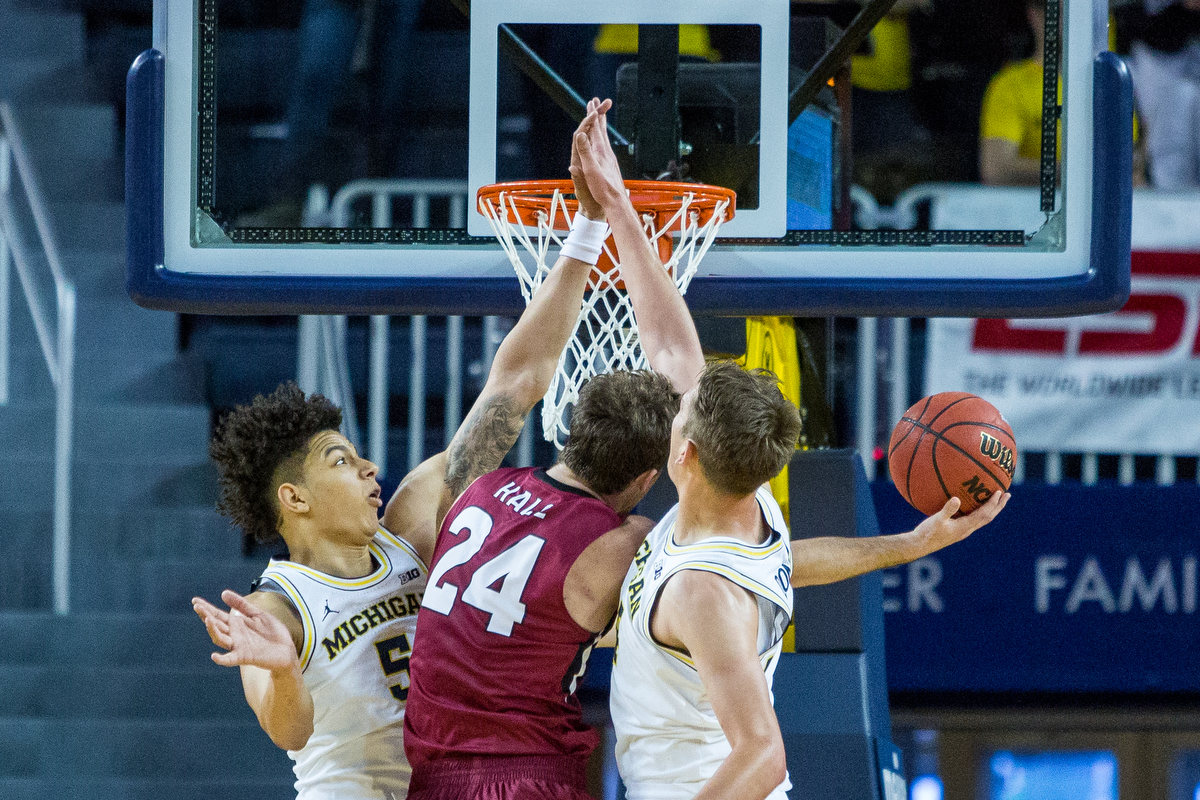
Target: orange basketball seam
(939,438)
(949,406)
(912,458)
(969,456)
(937,472)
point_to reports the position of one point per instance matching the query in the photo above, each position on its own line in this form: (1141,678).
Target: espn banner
(1125,382)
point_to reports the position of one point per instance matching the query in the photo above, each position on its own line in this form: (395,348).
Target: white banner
(1126,382)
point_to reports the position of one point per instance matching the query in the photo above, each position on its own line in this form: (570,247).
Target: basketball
(951,444)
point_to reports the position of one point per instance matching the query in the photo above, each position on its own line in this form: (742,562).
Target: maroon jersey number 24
(511,568)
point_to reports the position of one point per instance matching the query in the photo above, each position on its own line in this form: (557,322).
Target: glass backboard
(383,129)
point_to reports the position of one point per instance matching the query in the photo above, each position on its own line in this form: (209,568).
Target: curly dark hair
(253,442)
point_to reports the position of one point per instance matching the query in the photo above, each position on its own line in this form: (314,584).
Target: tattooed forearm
(483,441)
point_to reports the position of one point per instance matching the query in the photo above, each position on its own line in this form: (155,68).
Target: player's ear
(687,449)
(292,498)
(645,481)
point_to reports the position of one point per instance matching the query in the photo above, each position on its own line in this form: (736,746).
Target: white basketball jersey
(358,634)
(669,742)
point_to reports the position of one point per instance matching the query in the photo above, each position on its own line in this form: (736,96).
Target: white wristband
(585,242)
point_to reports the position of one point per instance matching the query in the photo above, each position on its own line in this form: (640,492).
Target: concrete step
(116,342)
(106,375)
(145,586)
(26,34)
(105,322)
(123,586)
(200,692)
(75,130)
(90,227)
(67,178)
(83,640)
(121,324)
(181,749)
(112,482)
(89,236)
(98,274)
(163,434)
(146,789)
(140,532)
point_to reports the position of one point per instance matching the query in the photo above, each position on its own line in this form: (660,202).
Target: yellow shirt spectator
(693,41)
(1012,108)
(888,67)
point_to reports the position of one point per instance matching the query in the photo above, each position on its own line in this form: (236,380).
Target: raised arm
(665,326)
(519,377)
(829,559)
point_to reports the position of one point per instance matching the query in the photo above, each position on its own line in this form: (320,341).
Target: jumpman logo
(329,611)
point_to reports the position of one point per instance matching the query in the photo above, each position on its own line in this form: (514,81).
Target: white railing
(323,366)
(55,330)
(882,355)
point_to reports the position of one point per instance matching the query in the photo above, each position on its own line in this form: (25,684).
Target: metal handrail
(58,345)
(382,191)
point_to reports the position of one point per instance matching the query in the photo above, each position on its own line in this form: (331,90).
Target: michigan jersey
(669,742)
(358,635)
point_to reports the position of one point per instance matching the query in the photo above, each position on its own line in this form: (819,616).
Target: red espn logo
(1163,305)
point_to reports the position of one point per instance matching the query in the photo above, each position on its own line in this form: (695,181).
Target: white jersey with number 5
(669,742)
(358,635)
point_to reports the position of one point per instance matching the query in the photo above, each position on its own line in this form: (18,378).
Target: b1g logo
(991,448)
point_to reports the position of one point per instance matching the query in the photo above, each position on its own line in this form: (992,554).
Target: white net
(606,337)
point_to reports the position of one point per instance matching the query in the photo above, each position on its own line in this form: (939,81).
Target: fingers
(994,506)
(951,508)
(226,659)
(219,637)
(240,604)
(209,614)
(202,607)
(217,625)
(989,510)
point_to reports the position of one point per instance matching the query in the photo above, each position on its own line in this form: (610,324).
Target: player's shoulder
(398,546)
(281,607)
(500,477)
(701,588)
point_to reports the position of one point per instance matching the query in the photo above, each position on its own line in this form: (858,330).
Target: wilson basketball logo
(951,444)
(991,448)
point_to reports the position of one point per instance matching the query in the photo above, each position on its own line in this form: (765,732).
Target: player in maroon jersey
(525,577)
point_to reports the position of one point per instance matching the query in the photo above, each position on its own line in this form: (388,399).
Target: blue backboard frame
(734,291)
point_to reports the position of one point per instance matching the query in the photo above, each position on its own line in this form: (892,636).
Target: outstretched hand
(596,156)
(943,529)
(249,635)
(595,117)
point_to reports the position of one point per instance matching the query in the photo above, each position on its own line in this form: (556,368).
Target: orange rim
(661,198)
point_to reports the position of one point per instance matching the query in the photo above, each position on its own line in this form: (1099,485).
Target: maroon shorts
(500,778)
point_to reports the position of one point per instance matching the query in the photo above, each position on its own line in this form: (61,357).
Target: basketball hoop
(682,221)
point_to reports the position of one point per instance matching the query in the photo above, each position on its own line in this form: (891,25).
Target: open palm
(249,635)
